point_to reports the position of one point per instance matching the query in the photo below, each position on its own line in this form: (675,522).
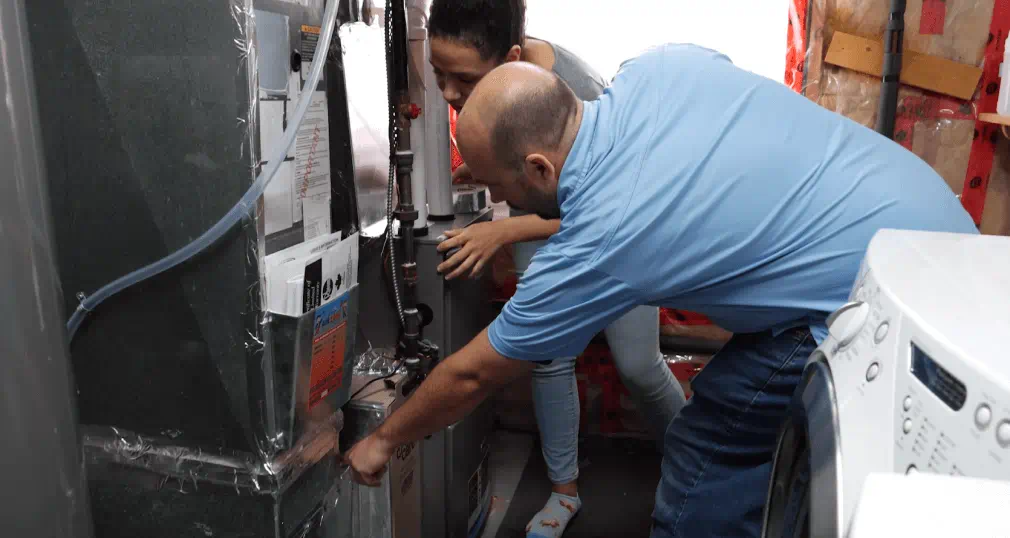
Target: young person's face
(459,67)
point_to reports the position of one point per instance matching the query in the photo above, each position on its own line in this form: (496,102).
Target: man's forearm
(442,400)
(531,228)
(453,389)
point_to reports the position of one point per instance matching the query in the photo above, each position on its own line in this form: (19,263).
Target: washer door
(803,495)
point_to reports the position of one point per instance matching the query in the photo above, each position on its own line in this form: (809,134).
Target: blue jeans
(718,451)
(634,343)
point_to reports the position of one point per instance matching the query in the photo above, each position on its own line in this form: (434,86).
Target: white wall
(605,33)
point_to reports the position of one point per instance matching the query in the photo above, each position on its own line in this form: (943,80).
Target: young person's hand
(477,244)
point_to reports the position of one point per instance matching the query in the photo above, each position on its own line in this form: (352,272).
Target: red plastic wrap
(684,324)
(605,404)
(969,155)
(457,160)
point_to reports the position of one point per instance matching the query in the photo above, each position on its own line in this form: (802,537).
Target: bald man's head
(515,132)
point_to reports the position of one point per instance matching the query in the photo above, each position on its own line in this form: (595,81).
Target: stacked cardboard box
(937,128)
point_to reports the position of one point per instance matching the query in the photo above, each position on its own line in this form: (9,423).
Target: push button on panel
(881,332)
(983,416)
(1003,434)
(907,403)
(873,371)
(906,426)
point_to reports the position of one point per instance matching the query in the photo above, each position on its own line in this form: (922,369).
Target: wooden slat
(989,117)
(919,70)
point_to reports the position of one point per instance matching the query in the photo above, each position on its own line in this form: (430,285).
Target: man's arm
(453,389)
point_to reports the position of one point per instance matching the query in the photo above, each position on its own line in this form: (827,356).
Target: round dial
(844,325)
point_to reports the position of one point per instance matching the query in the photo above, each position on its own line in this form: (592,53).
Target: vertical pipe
(40,459)
(403,159)
(433,158)
(438,161)
(417,37)
(891,79)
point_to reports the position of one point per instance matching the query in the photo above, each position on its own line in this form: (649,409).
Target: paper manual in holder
(311,274)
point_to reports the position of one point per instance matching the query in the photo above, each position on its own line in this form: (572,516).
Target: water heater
(430,130)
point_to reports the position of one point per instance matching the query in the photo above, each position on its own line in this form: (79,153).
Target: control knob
(846,322)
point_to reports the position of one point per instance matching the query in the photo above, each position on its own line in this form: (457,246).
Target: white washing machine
(914,377)
(926,505)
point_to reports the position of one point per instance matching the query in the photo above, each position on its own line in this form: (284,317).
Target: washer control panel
(946,425)
(951,419)
(861,344)
(947,418)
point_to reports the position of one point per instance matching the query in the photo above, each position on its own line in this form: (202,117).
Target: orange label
(310,29)
(327,371)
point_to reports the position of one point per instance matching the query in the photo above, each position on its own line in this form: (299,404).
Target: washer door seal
(803,493)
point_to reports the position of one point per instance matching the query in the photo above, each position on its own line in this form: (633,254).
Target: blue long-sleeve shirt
(698,185)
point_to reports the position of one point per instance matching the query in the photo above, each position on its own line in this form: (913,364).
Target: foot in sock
(553,519)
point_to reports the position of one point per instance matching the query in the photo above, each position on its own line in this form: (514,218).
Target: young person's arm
(530,228)
(479,242)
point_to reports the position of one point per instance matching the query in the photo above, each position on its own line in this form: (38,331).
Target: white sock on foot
(551,521)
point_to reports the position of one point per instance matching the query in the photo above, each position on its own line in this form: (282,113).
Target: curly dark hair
(490,26)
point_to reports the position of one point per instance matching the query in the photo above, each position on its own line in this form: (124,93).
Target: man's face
(458,68)
(533,189)
(542,201)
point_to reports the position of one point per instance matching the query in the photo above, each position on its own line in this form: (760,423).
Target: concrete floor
(509,454)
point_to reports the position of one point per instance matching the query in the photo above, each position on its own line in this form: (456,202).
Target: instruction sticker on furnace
(329,343)
(310,42)
(312,155)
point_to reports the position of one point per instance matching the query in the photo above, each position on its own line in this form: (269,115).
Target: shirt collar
(580,156)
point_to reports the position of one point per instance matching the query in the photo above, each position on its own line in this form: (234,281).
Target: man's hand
(453,389)
(367,460)
(477,244)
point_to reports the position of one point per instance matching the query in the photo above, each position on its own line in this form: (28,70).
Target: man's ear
(540,170)
(514,54)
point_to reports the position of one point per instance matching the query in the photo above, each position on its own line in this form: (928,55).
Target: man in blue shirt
(694,184)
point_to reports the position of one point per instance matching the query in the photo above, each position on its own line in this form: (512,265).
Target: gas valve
(410,111)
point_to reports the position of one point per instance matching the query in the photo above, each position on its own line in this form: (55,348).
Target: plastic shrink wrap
(939,129)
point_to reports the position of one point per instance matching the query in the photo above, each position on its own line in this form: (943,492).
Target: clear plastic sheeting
(367,509)
(205,412)
(40,458)
(143,482)
(185,468)
(378,361)
(185,106)
(686,367)
(273,81)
